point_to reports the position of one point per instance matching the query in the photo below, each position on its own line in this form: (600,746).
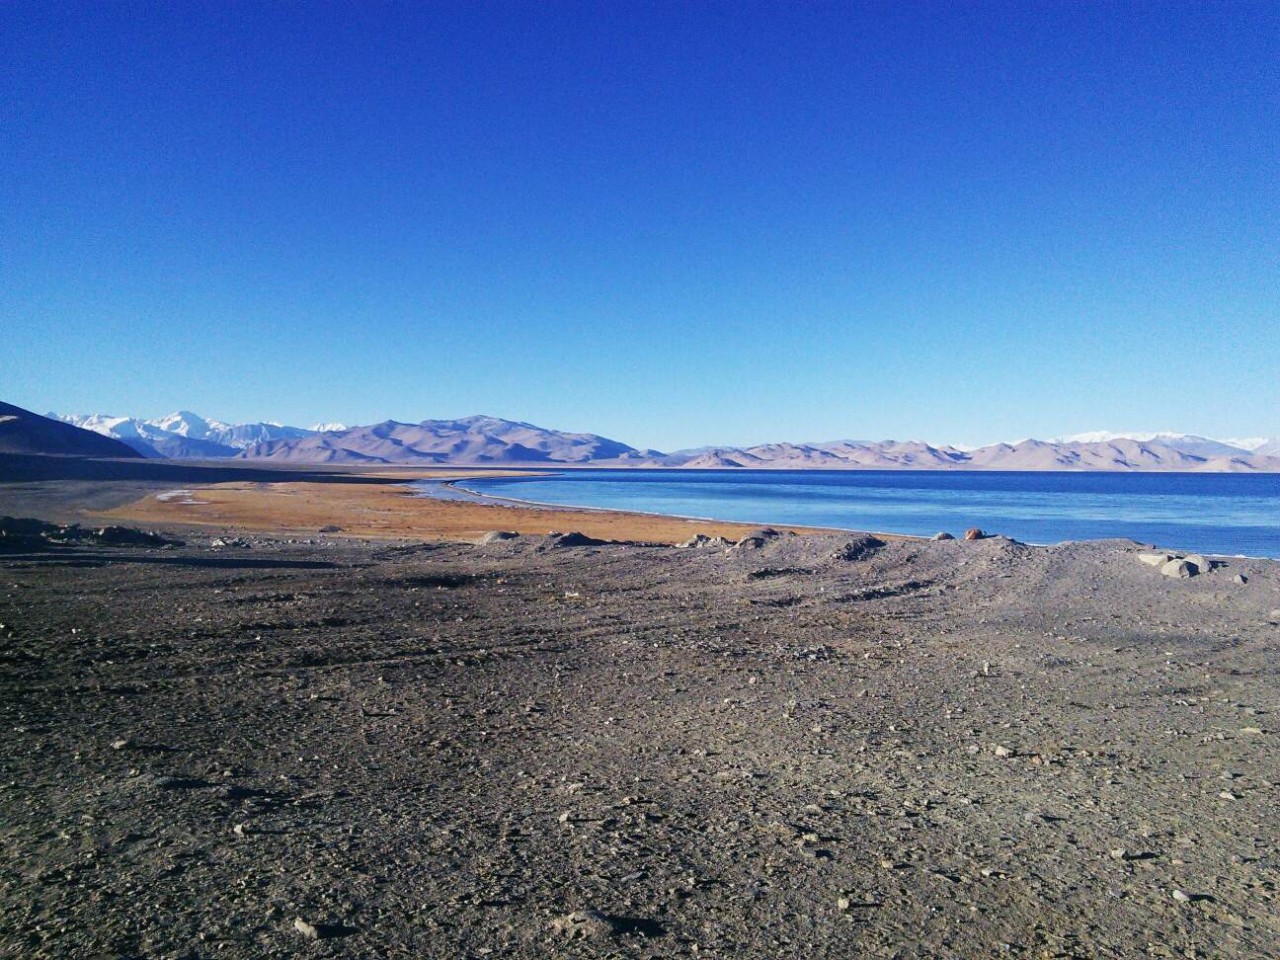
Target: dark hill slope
(22,431)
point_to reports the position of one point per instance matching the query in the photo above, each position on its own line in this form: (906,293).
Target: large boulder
(1180,568)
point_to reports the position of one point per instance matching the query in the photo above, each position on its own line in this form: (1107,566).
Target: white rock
(1155,559)
(306,929)
(1179,568)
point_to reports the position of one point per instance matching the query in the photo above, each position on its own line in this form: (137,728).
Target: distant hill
(473,440)
(489,440)
(1034,455)
(492,440)
(22,431)
(1182,442)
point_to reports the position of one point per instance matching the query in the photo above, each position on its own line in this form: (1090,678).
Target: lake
(1222,513)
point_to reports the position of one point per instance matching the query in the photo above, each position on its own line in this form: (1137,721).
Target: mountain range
(491,440)
(185,435)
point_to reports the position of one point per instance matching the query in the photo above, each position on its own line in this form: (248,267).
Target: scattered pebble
(306,929)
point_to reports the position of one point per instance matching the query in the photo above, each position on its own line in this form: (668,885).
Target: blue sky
(671,223)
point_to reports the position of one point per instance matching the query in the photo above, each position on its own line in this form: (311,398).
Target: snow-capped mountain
(183,434)
(1182,442)
(473,440)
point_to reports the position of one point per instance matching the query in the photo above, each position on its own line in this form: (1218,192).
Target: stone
(1003,752)
(128,537)
(306,929)
(942,535)
(1182,896)
(1181,569)
(219,542)
(1155,559)
(1274,616)
(331,528)
(975,533)
(121,744)
(1202,564)
(700,540)
(496,536)
(1240,578)
(583,925)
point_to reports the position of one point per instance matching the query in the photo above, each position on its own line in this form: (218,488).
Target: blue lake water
(1233,514)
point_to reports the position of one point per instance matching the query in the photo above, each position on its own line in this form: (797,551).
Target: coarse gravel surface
(817,746)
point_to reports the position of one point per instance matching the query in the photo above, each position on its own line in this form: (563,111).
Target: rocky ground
(805,746)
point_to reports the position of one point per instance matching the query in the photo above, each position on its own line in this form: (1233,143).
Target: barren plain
(272,743)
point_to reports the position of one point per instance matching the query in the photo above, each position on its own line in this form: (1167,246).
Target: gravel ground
(804,746)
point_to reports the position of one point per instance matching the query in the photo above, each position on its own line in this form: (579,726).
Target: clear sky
(673,223)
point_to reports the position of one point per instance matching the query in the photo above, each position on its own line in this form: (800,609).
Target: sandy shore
(392,511)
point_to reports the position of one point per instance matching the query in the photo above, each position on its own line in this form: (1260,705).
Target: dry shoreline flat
(393,511)
(294,500)
(259,744)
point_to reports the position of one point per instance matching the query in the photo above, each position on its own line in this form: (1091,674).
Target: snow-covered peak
(1107,436)
(102,423)
(327,427)
(1183,442)
(183,433)
(1249,443)
(187,424)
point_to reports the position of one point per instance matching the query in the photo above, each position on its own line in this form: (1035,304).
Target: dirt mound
(561,541)
(17,533)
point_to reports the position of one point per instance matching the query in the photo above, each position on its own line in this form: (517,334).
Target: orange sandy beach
(392,511)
